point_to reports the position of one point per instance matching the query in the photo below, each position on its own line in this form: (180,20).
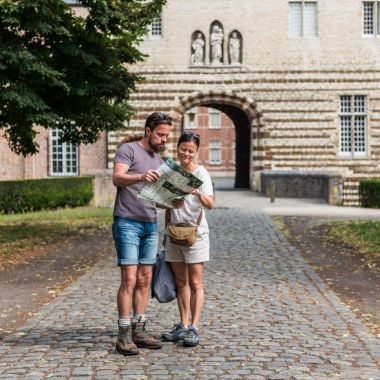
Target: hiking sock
(124,321)
(138,318)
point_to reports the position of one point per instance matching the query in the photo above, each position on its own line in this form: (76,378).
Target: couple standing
(136,237)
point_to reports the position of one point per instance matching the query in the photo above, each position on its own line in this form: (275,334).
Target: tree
(69,72)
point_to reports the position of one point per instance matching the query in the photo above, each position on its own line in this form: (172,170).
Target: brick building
(217,136)
(53,159)
(300,81)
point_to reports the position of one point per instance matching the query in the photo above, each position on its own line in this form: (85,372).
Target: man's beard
(156,147)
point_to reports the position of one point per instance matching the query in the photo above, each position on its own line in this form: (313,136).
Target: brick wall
(91,159)
(225,135)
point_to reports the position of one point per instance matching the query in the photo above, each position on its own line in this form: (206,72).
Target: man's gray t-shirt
(139,161)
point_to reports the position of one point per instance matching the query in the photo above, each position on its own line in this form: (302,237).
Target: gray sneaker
(192,337)
(177,333)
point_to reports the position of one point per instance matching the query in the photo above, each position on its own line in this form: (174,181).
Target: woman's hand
(178,203)
(206,200)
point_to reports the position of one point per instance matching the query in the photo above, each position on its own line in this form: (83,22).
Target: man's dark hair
(157,118)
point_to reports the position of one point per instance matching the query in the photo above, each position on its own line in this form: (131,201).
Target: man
(135,231)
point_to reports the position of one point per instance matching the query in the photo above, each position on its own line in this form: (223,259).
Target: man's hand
(150,176)
(178,203)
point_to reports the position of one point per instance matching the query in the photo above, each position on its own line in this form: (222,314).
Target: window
(155,28)
(214,119)
(64,156)
(233,157)
(191,118)
(353,125)
(303,19)
(371,18)
(215,152)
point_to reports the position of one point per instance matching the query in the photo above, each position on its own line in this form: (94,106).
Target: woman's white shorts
(199,252)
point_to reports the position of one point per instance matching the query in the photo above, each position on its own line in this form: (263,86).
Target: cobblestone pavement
(267,316)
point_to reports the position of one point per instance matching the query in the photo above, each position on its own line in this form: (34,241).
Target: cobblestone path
(267,316)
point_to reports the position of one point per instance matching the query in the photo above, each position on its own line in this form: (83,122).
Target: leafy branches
(58,69)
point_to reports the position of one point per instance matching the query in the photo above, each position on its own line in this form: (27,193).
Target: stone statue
(198,46)
(216,42)
(234,48)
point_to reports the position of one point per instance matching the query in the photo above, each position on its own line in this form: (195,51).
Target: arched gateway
(244,115)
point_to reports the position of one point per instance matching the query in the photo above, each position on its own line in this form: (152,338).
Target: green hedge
(40,194)
(369,193)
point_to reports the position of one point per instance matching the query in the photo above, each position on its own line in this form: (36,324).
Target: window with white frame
(191,118)
(353,125)
(215,152)
(371,18)
(214,118)
(63,156)
(303,19)
(155,28)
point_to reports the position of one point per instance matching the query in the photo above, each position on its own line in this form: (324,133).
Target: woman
(187,262)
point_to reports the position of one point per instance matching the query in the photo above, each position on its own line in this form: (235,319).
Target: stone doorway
(243,113)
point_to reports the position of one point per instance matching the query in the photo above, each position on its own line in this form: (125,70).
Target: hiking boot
(142,338)
(177,333)
(124,343)
(192,337)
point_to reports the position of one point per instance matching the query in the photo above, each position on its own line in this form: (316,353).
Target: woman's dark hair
(189,137)
(157,118)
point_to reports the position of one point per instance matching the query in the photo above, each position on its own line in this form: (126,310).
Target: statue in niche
(216,42)
(234,48)
(198,47)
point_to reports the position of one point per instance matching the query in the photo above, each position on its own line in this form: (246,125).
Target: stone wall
(295,184)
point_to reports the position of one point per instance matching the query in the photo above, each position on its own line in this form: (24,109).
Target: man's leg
(147,257)
(126,235)
(141,291)
(126,289)
(125,344)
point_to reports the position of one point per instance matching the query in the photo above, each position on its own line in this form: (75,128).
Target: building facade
(300,81)
(54,158)
(217,135)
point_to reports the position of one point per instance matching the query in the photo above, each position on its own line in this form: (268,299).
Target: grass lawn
(24,232)
(363,235)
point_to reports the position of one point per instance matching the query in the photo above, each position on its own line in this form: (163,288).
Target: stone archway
(244,114)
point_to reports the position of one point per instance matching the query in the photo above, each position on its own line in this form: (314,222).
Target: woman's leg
(197,294)
(180,272)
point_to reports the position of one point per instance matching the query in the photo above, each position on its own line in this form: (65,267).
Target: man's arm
(121,178)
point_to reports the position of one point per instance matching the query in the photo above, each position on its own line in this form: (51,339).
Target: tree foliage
(66,71)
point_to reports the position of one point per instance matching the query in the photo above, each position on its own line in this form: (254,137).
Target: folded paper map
(174,182)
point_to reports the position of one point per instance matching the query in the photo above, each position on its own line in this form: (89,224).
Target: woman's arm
(206,200)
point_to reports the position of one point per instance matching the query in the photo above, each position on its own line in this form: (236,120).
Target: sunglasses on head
(192,134)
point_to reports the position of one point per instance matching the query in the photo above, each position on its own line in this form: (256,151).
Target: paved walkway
(267,316)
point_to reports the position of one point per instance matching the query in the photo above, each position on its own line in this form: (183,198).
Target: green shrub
(40,194)
(369,193)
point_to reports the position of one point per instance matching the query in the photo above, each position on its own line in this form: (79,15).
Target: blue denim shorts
(136,242)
